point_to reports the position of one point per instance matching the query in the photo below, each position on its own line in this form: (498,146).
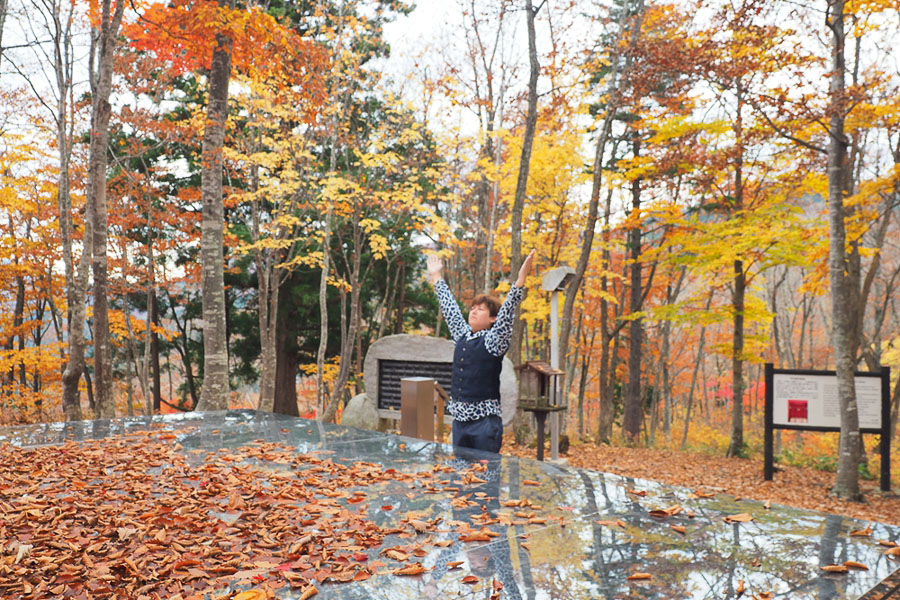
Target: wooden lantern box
(538,385)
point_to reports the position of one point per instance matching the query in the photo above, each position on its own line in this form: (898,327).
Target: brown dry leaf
(637,492)
(419,526)
(679,528)
(739,518)
(308,593)
(23,551)
(525,545)
(412,569)
(767,505)
(888,543)
(609,523)
(855,565)
(862,532)
(835,568)
(639,577)
(397,555)
(895,551)
(529,482)
(470,579)
(764,596)
(740,588)
(497,585)
(251,595)
(454,564)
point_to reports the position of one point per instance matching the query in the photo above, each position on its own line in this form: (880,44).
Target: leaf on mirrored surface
(835,568)
(639,577)
(739,518)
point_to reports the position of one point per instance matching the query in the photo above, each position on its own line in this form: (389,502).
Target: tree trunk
(736,446)
(847,480)
(3,10)
(606,407)
(587,234)
(515,261)
(101,87)
(76,278)
(348,340)
(214,395)
(287,364)
(633,401)
(154,352)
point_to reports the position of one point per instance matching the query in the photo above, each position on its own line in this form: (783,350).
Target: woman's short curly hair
(492,302)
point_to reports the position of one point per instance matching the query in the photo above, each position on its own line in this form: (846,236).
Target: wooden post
(417,407)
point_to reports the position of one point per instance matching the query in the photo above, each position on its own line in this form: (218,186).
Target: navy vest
(476,372)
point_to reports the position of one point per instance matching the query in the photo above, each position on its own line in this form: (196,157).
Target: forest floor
(802,487)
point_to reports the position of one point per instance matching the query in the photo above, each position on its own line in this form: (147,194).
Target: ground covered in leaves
(140,517)
(802,487)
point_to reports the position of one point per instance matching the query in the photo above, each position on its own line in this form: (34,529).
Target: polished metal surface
(590,531)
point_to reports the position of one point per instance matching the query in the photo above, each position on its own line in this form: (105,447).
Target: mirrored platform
(547,531)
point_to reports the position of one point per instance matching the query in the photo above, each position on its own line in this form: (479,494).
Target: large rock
(361,412)
(420,348)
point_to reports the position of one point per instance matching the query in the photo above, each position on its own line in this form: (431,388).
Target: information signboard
(813,401)
(809,400)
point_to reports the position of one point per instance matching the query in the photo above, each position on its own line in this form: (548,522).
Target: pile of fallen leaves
(140,517)
(801,487)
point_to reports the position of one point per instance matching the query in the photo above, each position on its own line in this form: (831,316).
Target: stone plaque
(423,356)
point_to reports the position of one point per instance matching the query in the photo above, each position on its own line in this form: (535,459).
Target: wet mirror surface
(552,532)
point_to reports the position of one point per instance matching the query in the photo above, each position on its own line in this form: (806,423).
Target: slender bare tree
(103,46)
(214,395)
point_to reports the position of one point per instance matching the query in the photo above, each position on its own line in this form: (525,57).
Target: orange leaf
(251,595)
(470,579)
(455,563)
(835,568)
(862,532)
(308,592)
(739,518)
(679,529)
(639,576)
(529,482)
(413,569)
(855,565)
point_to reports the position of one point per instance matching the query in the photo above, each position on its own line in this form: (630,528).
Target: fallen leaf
(308,592)
(529,482)
(470,579)
(680,529)
(639,577)
(835,568)
(740,588)
(497,585)
(413,569)
(455,564)
(609,523)
(739,518)
(855,565)
(251,595)
(888,543)
(862,532)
